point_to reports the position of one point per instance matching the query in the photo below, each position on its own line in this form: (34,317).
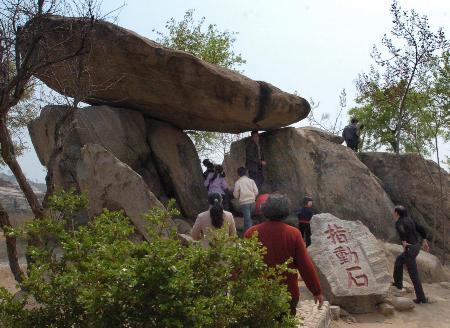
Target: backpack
(350,134)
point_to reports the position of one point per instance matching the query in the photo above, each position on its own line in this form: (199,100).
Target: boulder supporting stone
(352,266)
(304,162)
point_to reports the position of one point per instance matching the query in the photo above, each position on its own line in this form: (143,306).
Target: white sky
(316,47)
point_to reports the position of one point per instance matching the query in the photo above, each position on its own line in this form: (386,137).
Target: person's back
(245,190)
(284,242)
(409,230)
(216,183)
(351,135)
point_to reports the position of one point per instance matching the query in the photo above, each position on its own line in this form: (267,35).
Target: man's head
(276,207)
(399,212)
(255,136)
(241,171)
(354,120)
(307,201)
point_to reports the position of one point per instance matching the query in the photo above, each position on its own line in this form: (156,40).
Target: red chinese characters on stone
(336,234)
(357,277)
(346,255)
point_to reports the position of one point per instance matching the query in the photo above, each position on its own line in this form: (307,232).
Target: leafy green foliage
(393,101)
(96,276)
(213,46)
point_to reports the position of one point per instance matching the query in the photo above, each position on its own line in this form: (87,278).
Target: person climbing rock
(254,159)
(284,242)
(245,191)
(214,218)
(351,134)
(209,167)
(215,183)
(413,237)
(304,219)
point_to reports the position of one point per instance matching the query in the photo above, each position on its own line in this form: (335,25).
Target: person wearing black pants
(304,219)
(410,234)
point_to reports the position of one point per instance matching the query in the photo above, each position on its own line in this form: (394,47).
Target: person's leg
(398,270)
(411,266)
(302,228)
(308,235)
(246,210)
(293,304)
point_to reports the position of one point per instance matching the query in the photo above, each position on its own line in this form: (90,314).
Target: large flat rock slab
(352,265)
(124,69)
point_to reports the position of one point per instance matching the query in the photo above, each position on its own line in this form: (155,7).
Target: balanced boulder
(304,162)
(352,266)
(124,69)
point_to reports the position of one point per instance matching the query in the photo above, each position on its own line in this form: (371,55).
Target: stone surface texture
(401,303)
(124,69)
(313,317)
(352,266)
(110,183)
(414,182)
(301,162)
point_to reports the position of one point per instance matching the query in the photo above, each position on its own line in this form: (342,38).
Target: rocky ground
(436,315)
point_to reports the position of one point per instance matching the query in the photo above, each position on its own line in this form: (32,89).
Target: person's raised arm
(305,266)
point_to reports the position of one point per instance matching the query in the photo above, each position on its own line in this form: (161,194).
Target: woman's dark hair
(306,200)
(276,207)
(216,210)
(401,211)
(241,171)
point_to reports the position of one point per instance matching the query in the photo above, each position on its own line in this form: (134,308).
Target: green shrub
(96,276)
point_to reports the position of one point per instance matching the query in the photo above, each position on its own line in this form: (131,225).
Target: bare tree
(24,51)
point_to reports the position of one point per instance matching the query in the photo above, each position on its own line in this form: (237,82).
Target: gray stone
(301,162)
(183,227)
(385,309)
(352,266)
(178,166)
(445,284)
(112,184)
(312,316)
(414,182)
(325,135)
(335,312)
(397,292)
(401,303)
(124,69)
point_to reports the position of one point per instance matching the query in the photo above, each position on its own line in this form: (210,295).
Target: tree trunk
(11,246)
(8,155)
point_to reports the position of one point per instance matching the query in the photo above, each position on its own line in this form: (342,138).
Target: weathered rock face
(126,70)
(179,166)
(352,267)
(302,162)
(123,133)
(110,183)
(415,183)
(430,268)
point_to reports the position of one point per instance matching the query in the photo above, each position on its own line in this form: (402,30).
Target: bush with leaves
(96,276)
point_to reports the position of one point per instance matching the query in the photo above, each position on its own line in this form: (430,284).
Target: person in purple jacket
(215,183)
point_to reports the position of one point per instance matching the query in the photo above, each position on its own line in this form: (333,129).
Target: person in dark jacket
(304,219)
(413,237)
(209,168)
(254,159)
(351,134)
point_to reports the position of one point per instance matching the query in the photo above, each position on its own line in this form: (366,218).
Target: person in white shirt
(245,190)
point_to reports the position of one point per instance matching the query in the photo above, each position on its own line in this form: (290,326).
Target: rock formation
(123,69)
(352,266)
(305,162)
(77,161)
(415,183)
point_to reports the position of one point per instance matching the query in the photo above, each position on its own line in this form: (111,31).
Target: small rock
(183,227)
(335,312)
(402,303)
(386,309)
(347,316)
(445,284)
(397,292)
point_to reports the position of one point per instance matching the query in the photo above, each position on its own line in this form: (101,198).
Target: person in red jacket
(283,242)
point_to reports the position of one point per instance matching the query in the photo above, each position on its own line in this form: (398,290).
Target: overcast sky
(314,47)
